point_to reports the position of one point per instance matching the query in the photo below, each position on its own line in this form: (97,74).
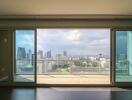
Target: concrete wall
(5,53)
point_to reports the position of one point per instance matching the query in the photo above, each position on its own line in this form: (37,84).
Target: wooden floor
(66,93)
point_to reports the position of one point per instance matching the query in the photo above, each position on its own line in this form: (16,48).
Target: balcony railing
(25,66)
(122,67)
(62,67)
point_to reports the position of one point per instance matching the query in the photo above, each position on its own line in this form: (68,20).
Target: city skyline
(22,54)
(74,41)
(65,53)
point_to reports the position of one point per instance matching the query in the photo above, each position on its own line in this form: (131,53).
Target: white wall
(42,7)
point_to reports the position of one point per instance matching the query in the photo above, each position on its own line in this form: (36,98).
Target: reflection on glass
(123,56)
(24,55)
(73,51)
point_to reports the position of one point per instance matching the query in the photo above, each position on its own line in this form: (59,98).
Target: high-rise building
(40,54)
(65,53)
(60,59)
(29,54)
(48,55)
(21,53)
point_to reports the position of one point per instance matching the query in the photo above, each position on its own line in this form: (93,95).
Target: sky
(25,38)
(74,41)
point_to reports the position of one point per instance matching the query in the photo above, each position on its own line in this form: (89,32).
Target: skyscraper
(21,53)
(65,53)
(29,54)
(40,54)
(48,55)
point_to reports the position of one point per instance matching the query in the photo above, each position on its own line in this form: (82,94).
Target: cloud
(75,41)
(72,35)
(25,38)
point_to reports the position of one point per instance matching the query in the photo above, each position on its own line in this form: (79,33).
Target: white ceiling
(47,7)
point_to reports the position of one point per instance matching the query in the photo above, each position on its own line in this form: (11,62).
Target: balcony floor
(73,79)
(65,79)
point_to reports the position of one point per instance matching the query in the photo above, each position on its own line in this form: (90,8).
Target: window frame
(120,84)
(17,83)
(111,48)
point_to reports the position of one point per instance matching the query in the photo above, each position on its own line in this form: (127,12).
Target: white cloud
(81,41)
(73,35)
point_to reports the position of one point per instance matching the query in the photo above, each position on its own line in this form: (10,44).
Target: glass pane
(73,56)
(123,56)
(25,45)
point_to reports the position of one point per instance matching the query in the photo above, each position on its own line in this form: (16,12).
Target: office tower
(21,53)
(29,54)
(65,53)
(40,54)
(48,55)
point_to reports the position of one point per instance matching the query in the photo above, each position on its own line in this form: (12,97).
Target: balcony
(62,72)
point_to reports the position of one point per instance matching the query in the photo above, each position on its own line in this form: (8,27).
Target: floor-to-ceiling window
(123,56)
(24,56)
(73,56)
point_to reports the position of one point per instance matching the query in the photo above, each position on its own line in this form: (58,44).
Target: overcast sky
(25,39)
(74,41)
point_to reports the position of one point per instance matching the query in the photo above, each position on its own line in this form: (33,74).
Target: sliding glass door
(64,56)
(24,70)
(123,65)
(73,56)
